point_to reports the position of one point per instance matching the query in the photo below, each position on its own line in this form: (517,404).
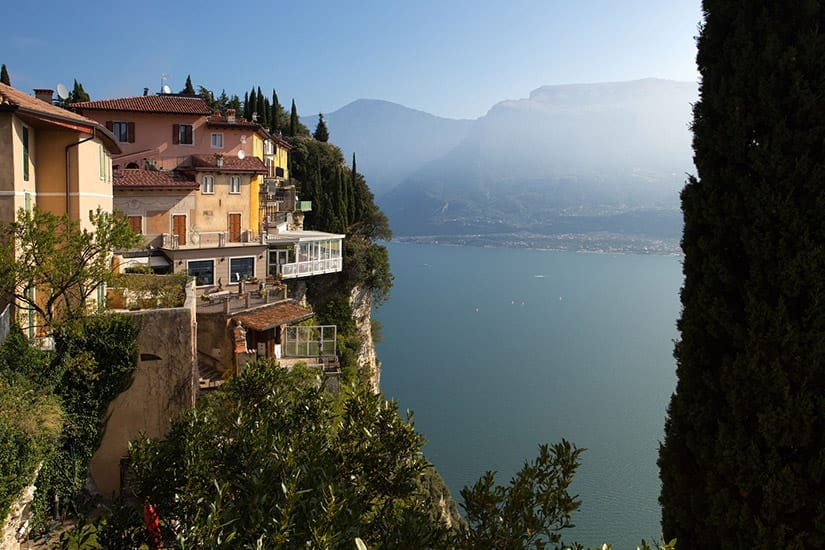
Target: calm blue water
(497,350)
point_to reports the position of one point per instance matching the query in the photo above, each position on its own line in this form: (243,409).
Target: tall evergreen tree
(261,108)
(4,75)
(247,112)
(253,105)
(742,461)
(321,132)
(293,120)
(188,89)
(276,114)
(78,94)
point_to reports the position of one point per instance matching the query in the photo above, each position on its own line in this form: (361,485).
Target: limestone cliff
(361,303)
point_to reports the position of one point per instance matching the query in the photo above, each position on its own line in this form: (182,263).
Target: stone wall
(165,384)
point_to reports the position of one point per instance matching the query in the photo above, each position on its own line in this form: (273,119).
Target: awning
(267,317)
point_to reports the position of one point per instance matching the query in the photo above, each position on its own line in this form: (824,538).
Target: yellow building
(52,158)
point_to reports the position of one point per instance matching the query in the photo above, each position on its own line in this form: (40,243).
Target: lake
(497,350)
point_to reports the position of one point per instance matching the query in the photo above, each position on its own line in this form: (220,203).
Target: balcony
(207,239)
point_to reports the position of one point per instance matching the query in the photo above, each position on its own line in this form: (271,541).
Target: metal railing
(311,267)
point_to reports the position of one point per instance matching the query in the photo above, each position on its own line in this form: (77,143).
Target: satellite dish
(62,91)
(166,89)
(241,155)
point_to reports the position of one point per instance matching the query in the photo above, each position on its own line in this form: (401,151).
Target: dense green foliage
(342,203)
(4,75)
(31,417)
(52,265)
(77,94)
(53,408)
(274,460)
(95,358)
(742,464)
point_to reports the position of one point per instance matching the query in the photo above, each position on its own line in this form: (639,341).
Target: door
(179,228)
(234,228)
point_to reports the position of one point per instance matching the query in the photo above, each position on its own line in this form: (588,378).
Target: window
(208,185)
(124,131)
(241,268)
(202,270)
(25,153)
(217,141)
(234,184)
(105,164)
(136,224)
(182,134)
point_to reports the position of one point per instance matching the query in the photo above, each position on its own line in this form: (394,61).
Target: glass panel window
(208,185)
(202,270)
(124,131)
(234,184)
(241,268)
(217,141)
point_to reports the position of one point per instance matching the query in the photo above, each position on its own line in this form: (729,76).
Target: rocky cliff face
(361,303)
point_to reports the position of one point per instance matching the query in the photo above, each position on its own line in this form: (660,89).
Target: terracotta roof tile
(266,317)
(137,178)
(12,97)
(170,104)
(231,163)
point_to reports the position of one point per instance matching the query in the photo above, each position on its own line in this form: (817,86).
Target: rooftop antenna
(62,91)
(164,88)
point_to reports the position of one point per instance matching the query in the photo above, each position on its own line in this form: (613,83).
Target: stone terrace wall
(165,384)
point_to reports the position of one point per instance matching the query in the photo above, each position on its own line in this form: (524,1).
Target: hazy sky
(453,58)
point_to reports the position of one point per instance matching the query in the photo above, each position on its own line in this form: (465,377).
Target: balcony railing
(311,267)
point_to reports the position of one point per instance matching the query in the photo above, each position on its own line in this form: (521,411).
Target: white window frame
(214,138)
(105,164)
(234,185)
(208,185)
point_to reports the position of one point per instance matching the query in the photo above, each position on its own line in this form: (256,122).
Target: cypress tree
(353,203)
(742,464)
(275,114)
(78,94)
(293,120)
(253,104)
(4,75)
(321,132)
(247,112)
(263,112)
(188,89)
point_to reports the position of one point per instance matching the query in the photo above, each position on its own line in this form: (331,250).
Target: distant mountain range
(590,160)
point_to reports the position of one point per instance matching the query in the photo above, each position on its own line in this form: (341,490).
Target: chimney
(230,115)
(44,94)
(145,91)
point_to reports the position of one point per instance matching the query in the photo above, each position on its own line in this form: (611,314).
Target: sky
(451,58)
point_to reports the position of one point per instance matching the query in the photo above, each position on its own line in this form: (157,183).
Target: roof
(267,317)
(12,99)
(231,163)
(138,178)
(224,121)
(168,104)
